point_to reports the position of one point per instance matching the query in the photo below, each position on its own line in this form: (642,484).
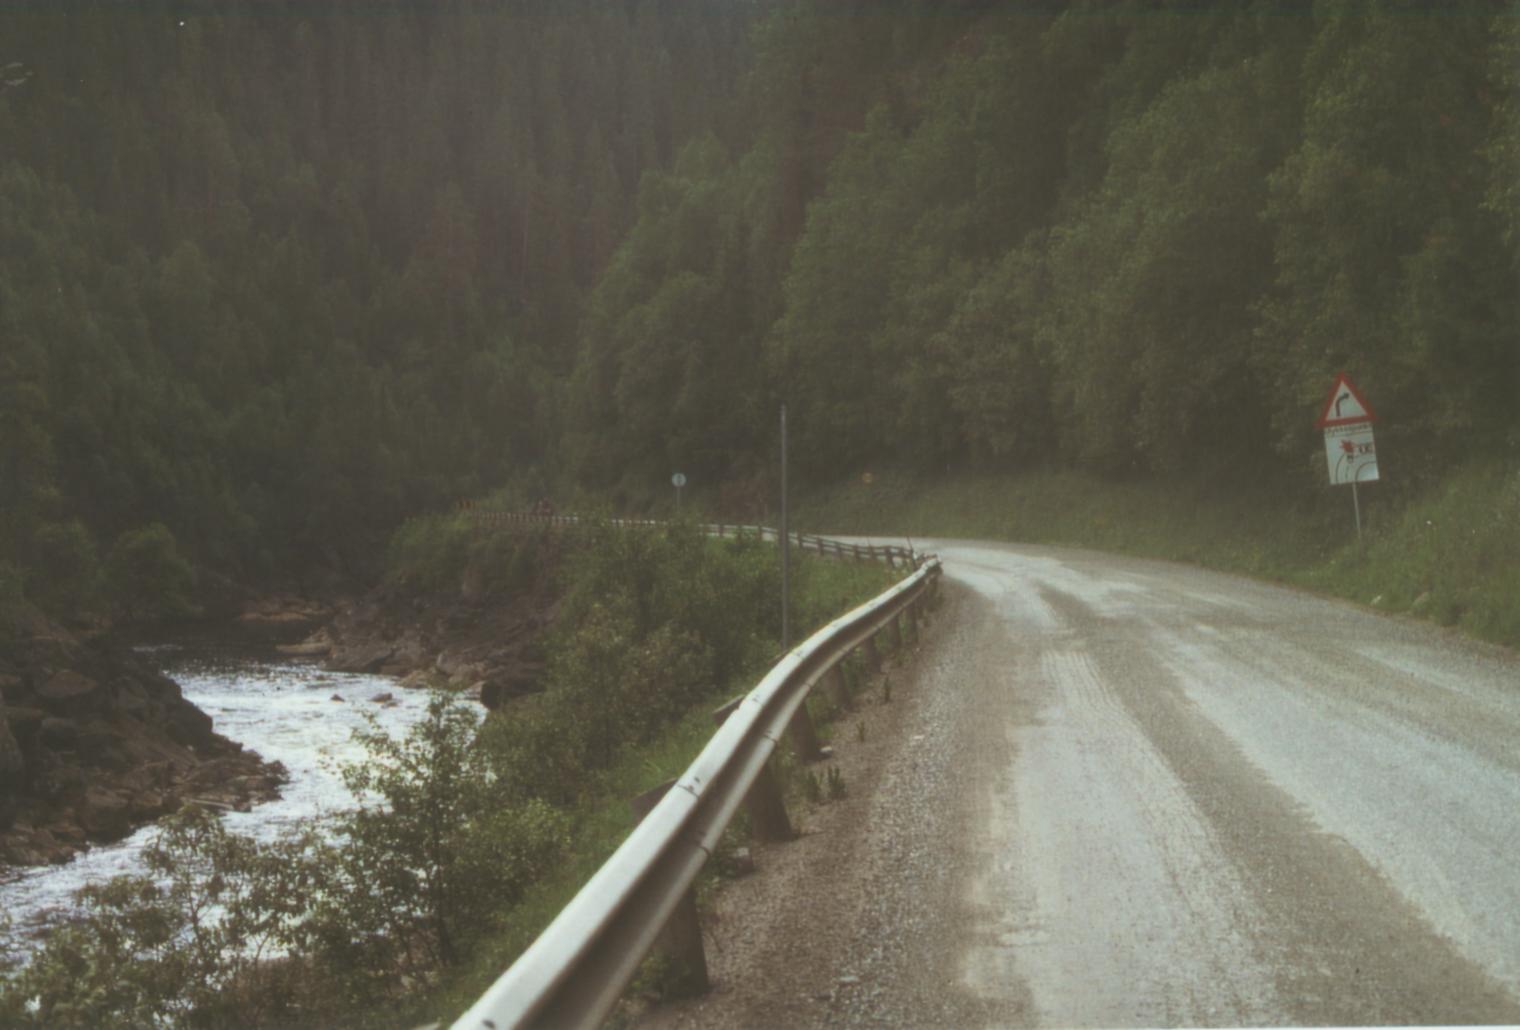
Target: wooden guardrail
(573,974)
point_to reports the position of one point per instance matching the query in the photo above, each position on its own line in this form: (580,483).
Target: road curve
(1159,796)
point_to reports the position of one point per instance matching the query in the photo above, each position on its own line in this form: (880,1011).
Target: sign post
(1350,452)
(678,480)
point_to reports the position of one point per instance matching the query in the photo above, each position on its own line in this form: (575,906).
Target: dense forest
(275,276)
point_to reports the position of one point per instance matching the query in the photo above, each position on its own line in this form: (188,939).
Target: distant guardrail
(894,555)
(576,970)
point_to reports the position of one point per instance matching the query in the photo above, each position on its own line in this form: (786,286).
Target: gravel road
(1111,792)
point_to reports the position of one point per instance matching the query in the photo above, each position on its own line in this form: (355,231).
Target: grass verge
(1450,552)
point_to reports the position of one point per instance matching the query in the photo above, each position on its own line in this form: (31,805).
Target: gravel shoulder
(860,921)
(1113,792)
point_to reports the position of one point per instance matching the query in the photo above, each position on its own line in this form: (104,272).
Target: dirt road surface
(1111,792)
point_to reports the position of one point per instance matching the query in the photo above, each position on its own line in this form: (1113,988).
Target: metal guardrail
(574,973)
(894,555)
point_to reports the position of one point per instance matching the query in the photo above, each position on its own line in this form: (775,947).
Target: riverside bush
(459,828)
(187,944)
(310,929)
(428,854)
(437,552)
(149,577)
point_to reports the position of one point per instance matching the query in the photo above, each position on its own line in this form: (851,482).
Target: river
(283,709)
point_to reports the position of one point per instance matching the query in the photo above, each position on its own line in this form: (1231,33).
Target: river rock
(504,687)
(67,687)
(305,649)
(103,814)
(189,725)
(383,698)
(283,614)
(59,733)
(94,742)
(367,656)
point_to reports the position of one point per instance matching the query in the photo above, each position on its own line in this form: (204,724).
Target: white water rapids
(282,709)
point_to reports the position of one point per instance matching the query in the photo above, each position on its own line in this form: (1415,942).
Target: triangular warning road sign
(1345,405)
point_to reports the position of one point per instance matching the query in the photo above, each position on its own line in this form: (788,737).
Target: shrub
(227,931)
(70,564)
(186,944)
(429,854)
(148,577)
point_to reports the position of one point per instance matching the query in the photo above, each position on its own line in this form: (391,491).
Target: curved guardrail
(892,554)
(573,974)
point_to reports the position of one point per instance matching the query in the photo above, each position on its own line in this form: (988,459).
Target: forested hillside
(275,276)
(1139,238)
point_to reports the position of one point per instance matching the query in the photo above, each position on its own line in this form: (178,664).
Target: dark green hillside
(1133,238)
(275,276)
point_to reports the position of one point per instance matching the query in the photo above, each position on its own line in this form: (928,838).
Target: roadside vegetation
(465,837)
(244,333)
(1447,549)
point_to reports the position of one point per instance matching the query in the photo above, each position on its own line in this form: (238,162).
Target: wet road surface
(1212,801)
(1112,792)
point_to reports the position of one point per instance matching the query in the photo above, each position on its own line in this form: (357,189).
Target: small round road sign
(678,480)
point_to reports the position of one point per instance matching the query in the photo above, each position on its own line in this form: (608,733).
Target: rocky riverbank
(490,643)
(94,742)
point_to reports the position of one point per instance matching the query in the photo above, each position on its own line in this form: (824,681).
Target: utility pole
(786,549)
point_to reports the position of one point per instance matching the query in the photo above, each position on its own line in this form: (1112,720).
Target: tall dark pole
(786,548)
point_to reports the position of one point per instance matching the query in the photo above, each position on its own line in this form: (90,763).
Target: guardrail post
(803,735)
(681,939)
(838,689)
(767,811)
(873,653)
(895,634)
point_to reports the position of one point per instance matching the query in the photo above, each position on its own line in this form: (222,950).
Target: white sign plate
(1350,453)
(678,480)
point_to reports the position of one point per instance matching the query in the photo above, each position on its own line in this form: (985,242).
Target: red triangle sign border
(1325,421)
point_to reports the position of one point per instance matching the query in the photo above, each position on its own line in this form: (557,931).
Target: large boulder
(66,688)
(103,814)
(94,742)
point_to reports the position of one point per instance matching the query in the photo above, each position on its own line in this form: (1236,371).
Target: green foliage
(440,553)
(278,338)
(69,564)
(1450,555)
(1503,147)
(439,872)
(313,929)
(431,853)
(148,576)
(652,621)
(1448,552)
(835,783)
(1130,238)
(186,944)
(1387,262)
